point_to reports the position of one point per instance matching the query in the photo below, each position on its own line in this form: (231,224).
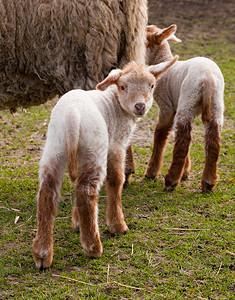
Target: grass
(180,244)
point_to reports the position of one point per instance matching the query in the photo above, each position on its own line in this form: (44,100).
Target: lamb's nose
(140,106)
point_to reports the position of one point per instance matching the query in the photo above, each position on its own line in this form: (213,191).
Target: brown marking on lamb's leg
(114,184)
(212,149)
(88,223)
(48,197)
(85,211)
(187,168)
(75,219)
(180,152)
(130,165)
(160,139)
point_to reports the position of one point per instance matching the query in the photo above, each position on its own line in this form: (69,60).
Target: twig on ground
(132,287)
(10,209)
(219,269)
(101,284)
(72,279)
(132,249)
(230,253)
(108,274)
(186,229)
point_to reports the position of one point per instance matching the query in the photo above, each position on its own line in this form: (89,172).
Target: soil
(207,17)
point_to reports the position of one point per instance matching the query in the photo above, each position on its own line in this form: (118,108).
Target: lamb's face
(135,87)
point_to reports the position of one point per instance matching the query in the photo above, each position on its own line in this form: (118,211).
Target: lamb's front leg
(114,184)
(180,152)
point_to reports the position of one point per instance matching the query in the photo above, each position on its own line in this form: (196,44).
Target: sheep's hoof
(128,172)
(75,219)
(207,187)
(118,228)
(75,225)
(150,174)
(127,180)
(43,256)
(169,184)
(185,176)
(94,251)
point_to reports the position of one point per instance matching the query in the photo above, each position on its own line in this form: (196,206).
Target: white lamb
(91,131)
(189,88)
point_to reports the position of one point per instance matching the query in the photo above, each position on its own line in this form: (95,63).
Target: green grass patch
(179,245)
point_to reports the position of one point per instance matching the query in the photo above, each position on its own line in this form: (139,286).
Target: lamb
(189,88)
(50,47)
(90,130)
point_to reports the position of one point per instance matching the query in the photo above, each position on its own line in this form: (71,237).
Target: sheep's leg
(48,196)
(161,134)
(114,184)
(130,165)
(187,168)
(85,211)
(212,149)
(180,152)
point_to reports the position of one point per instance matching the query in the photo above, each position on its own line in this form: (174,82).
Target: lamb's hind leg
(161,133)
(85,211)
(50,183)
(212,149)
(180,152)
(187,167)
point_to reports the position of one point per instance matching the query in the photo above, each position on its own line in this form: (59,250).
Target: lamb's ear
(159,69)
(167,33)
(110,79)
(173,38)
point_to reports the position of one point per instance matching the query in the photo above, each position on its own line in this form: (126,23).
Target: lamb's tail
(208,90)
(72,140)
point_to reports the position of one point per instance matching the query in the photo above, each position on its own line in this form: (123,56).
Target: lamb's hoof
(185,177)
(42,256)
(128,172)
(169,184)
(120,228)
(150,174)
(75,226)
(94,251)
(127,181)
(207,187)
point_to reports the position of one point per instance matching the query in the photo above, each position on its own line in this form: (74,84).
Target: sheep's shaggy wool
(50,47)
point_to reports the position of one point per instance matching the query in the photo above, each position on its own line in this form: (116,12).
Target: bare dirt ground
(210,18)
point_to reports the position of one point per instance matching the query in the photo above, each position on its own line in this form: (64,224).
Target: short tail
(72,140)
(207,95)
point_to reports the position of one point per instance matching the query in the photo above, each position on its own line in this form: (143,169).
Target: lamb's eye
(152,86)
(122,87)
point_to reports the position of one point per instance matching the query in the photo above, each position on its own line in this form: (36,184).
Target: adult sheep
(50,47)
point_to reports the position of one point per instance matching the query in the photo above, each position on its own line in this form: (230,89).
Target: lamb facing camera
(90,131)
